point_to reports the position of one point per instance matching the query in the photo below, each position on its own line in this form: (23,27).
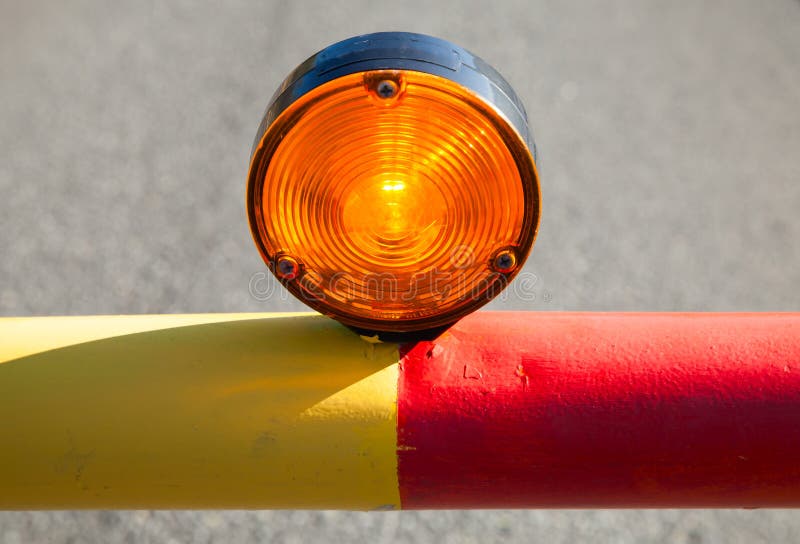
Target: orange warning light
(392,199)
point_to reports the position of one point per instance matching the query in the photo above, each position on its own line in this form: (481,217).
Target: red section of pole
(603,410)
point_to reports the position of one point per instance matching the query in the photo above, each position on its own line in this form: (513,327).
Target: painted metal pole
(503,410)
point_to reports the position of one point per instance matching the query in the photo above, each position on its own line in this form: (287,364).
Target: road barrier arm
(504,410)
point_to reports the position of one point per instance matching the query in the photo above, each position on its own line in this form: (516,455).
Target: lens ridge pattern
(394,207)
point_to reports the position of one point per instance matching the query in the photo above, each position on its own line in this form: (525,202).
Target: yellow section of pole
(195,411)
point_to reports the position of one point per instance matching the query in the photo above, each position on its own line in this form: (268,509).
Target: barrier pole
(504,410)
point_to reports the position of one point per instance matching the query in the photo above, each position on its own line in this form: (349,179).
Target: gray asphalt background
(669,137)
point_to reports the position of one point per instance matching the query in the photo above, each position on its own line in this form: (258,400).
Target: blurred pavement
(669,139)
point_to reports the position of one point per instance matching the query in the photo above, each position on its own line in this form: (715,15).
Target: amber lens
(394,191)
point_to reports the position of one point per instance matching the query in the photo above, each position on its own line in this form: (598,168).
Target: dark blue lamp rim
(400,51)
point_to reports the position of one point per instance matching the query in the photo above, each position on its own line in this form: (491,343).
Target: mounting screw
(504,261)
(286,267)
(386,88)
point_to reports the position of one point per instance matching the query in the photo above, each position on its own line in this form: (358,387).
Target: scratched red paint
(602,410)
